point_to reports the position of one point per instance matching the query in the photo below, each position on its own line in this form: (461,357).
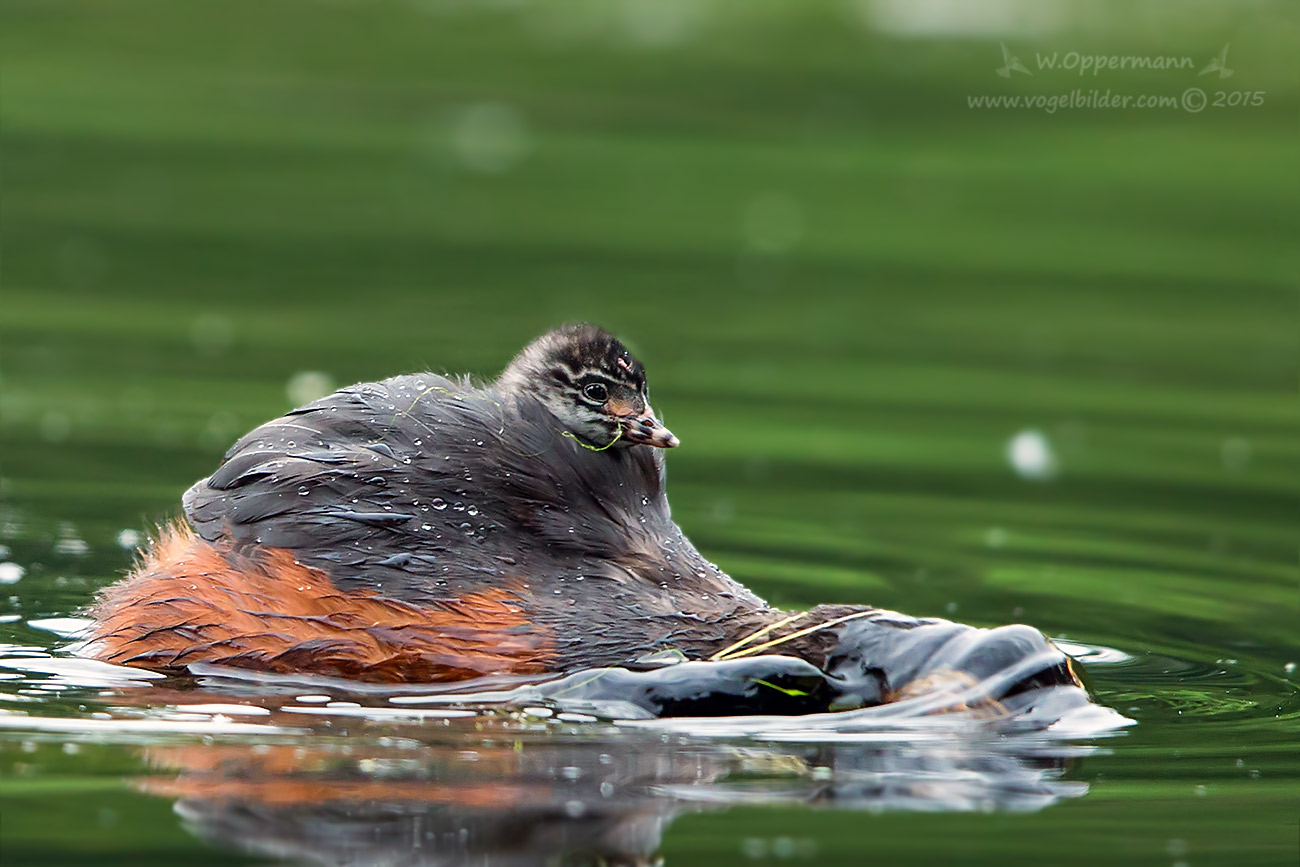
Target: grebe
(427,529)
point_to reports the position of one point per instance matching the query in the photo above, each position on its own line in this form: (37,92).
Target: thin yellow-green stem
(793,635)
(607,445)
(722,654)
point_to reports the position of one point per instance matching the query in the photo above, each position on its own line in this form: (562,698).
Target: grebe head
(592,384)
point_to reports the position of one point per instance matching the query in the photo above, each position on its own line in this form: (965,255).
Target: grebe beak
(647,430)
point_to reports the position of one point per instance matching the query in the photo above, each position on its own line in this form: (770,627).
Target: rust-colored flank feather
(189,601)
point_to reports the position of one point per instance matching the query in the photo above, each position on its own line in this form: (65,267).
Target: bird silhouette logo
(1218,64)
(1011,63)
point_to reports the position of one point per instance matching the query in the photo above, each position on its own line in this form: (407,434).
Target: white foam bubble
(1032,456)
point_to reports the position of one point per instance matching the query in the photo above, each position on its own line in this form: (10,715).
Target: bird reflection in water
(371,782)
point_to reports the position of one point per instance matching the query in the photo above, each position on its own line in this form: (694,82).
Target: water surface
(996,368)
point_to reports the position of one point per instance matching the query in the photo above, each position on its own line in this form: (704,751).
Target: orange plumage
(188,601)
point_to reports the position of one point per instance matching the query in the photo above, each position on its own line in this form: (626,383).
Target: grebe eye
(595,392)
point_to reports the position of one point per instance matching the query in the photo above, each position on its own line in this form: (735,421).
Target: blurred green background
(852,291)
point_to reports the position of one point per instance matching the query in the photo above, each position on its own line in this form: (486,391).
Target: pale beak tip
(648,431)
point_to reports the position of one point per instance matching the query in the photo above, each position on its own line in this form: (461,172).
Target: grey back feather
(424,487)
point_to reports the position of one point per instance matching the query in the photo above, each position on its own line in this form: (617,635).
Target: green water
(851,292)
